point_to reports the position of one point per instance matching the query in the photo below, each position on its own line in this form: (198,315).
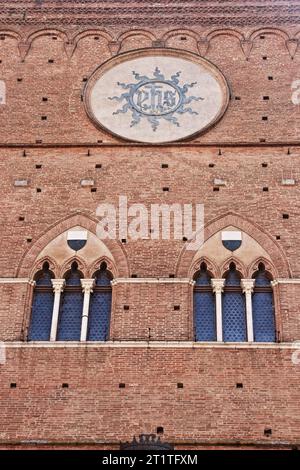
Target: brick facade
(47,55)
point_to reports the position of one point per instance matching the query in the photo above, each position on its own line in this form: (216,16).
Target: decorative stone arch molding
(240,267)
(38,266)
(115,248)
(111,267)
(212,267)
(254,267)
(115,44)
(185,263)
(82,266)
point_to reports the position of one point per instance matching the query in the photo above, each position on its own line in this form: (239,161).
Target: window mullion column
(87,289)
(58,287)
(218,287)
(248,286)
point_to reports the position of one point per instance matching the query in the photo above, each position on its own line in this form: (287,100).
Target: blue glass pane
(102,278)
(261,279)
(99,316)
(41,316)
(74,279)
(74,276)
(203,279)
(234,318)
(69,326)
(204,316)
(232,278)
(263,317)
(44,279)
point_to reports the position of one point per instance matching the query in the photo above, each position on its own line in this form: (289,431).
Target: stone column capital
(31,282)
(218,285)
(87,285)
(274,283)
(58,285)
(247,285)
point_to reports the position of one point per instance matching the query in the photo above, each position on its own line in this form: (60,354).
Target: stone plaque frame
(156,52)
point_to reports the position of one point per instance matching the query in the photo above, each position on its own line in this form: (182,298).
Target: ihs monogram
(155,98)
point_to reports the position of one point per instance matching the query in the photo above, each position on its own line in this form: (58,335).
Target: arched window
(100,306)
(263,307)
(233,308)
(42,306)
(204,307)
(70,316)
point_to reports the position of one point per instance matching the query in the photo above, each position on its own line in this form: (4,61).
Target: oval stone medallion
(156,96)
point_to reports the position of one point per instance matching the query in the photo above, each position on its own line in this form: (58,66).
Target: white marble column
(58,287)
(248,286)
(218,287)
(87,289)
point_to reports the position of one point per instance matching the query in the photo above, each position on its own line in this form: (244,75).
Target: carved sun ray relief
(156,98)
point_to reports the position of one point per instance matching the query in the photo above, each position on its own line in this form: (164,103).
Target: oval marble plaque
(156,96)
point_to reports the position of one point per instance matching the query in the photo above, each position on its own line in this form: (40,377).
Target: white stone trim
(289,281)
(77,235)
(150,344)
(14,280)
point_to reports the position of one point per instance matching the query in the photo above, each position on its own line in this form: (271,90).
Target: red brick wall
(62,83)
(137,174)
(208,409)
(93,411)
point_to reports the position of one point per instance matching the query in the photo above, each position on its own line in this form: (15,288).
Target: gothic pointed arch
(53,266)
(95,266)
(254,267)
(67,265)
(211,266)
(239,266)
(257,233)
(115,247)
